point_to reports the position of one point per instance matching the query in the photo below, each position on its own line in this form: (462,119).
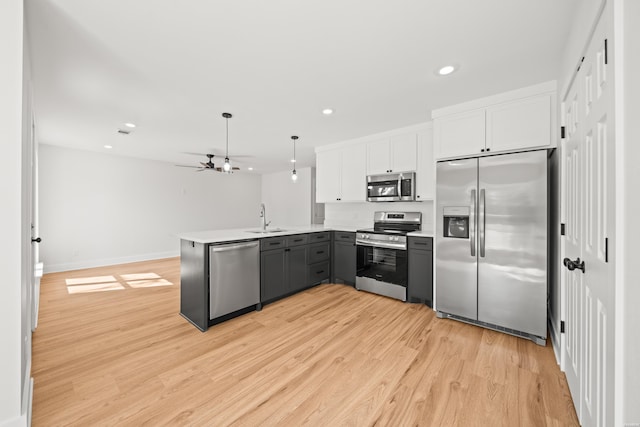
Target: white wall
(101,209)
(630,205)
(11,52)
(360,215)
(288,203)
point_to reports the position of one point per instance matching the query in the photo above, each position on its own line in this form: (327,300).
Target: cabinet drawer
(272,243)
(424,243)
(344,236)
(319,237)
(297,240)
(318,252)
(318,272)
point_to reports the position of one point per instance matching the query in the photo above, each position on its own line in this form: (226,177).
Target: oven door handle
(400,187)
(385,245)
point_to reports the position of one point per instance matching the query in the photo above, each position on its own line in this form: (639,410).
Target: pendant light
(294,176)
(227,165)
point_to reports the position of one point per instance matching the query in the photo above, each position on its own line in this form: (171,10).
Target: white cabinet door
(354,173)
(328,167)
(525,123)
(403,153)
(459,134)
(426,170)
(378,160)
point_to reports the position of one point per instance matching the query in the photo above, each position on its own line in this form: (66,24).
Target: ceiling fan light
(294,176)
(227,166)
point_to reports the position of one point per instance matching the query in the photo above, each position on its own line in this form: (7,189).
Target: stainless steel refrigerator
(491,242)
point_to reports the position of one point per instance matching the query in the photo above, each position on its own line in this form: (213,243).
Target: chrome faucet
(263,215)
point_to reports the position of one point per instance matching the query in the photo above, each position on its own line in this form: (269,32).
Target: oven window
(385,265)
(382,189)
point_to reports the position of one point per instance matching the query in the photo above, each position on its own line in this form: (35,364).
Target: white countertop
(219,236)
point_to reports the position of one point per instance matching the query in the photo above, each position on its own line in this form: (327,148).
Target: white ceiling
(173,67)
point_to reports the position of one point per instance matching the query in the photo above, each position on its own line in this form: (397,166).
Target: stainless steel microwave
(391,187)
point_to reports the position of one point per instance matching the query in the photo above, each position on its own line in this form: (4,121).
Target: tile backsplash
(360,214)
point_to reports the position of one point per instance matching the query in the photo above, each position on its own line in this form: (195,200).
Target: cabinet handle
(274,243)
(287,250)
(488,149)
(297,240)
(320,272)
(319,252)
(482,150)
(419,244)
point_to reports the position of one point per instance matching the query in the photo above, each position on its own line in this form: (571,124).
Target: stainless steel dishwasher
(234,277)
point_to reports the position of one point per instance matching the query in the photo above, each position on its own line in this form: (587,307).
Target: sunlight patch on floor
(99,287)
(81,285)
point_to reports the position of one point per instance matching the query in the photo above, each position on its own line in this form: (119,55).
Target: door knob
(572,265)
(37,240)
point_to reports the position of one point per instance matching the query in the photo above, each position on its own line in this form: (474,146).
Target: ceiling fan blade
(187,166)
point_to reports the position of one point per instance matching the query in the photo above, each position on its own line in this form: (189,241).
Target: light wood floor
(329,356)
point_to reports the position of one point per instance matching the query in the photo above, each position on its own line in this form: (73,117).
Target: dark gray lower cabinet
(290,264)
(297,268)
(273,274)
(344,257)
(194,283)
(420,286)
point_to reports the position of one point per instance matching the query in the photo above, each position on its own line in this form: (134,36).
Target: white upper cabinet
(394,154)
(378,160)
(512,121)
(354,174)
(426,170)
(520,124)
(341,174)
(460,134)
(403,153)
(328,165)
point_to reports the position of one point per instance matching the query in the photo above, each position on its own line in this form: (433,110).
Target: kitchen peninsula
(275,263)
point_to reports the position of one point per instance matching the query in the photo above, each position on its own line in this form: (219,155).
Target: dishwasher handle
(225,248)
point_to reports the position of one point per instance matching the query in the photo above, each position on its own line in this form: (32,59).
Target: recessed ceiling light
(446,70)
(293,160)
(250,168)
(327,111)
(108,147)
(130,125)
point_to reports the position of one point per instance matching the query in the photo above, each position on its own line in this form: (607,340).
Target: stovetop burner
(390,230)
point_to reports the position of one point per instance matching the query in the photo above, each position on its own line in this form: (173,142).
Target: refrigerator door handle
(472,223)
(481,221)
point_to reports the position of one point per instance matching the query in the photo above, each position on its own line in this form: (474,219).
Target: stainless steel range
(382,253)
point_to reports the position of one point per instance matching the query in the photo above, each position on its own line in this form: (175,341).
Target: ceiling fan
(226,168)
(209,165)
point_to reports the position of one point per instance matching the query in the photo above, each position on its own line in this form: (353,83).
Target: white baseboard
(78,265)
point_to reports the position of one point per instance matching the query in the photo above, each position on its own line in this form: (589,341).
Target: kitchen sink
(273,230)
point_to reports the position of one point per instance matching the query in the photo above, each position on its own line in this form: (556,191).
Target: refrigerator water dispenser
(456,222)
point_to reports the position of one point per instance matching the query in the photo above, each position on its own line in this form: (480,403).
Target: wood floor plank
(327,356)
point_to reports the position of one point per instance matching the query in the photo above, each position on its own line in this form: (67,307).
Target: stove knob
(366,236)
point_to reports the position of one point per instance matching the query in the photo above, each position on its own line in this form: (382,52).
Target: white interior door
(572,178)
(588,156)
(598,210)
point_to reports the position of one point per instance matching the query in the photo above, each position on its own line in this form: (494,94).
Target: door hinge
(562,229)
(562,326)
(606,53)
(606,249)
(562,132)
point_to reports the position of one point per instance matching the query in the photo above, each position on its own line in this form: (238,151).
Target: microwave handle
(400,186)
(472,223)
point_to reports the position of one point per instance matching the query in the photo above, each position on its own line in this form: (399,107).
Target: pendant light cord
(227,154)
